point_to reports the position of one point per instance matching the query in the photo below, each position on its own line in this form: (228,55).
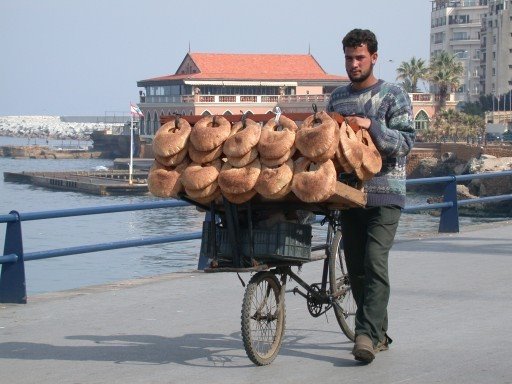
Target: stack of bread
(214,158)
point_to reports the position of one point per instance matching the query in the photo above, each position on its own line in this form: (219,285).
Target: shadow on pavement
(198,349)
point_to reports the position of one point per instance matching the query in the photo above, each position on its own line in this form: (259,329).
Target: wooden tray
(344,196)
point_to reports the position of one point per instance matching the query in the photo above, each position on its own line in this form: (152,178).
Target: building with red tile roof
(226,83)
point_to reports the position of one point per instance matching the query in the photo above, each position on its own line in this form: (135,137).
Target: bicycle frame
(319,296)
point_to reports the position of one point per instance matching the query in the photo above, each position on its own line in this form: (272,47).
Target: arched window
(206,113)
(421,122)
(227,113)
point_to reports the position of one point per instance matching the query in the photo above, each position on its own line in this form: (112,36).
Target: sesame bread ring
(273,179)
(216,195)
(199,176)
(342,160)
(315,135)
(280,160)
(351,146)
(277,139)
(202,157)
(282,193)
(239,180)
(173,160)
(210,132)
(239,198)
(171,138)
(331,152)
(248,158)
(166,181)
(313,182)
(363,174)
(242,139)
(372,160)
(202,193)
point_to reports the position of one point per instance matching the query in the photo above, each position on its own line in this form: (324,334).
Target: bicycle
(263,311)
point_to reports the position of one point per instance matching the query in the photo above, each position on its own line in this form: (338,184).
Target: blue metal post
(202,263)
(449,222)
(12,280)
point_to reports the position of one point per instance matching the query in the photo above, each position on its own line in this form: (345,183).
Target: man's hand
(358,121)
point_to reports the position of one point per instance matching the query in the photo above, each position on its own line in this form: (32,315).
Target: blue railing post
(449,222)
(202,263)
(13,288)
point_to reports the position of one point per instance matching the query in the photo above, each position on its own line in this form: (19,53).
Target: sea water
(75,271)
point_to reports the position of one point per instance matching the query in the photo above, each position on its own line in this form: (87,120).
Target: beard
(362,77)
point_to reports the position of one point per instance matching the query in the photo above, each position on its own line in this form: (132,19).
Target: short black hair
(357,37)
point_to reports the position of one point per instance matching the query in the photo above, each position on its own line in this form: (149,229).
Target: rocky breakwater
(448,164)
(50,128)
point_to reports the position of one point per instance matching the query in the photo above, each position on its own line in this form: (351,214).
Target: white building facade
(496,41)
(456,28)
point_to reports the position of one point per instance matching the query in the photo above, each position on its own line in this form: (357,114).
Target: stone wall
(461,152)
(418,154)
(498,150)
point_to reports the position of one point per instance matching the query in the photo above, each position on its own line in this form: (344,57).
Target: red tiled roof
(227,66)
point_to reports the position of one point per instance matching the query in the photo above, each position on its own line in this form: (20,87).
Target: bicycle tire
(344,306)
(263,318)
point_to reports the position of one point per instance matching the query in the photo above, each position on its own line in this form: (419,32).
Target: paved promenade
(450,317)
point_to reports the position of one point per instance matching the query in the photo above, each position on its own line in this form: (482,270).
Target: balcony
(234,99)
(428,98)
(457,4)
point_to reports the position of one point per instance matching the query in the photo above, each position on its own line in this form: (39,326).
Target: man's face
(359,63)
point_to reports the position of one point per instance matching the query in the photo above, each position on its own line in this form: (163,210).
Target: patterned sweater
(392,129)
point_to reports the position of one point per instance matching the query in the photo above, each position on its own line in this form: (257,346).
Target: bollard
(12,279)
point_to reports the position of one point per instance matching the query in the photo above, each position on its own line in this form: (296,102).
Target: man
(384,109)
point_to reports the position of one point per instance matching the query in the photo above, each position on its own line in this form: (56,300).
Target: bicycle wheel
(344,304)
(263,318)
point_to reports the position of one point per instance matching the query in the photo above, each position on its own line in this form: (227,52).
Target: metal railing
(12,278)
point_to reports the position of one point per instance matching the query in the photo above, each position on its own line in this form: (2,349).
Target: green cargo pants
(368,234)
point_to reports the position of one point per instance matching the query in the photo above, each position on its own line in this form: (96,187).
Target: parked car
(492,137)
(507,135)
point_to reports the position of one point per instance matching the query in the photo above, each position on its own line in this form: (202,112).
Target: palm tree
(453,124)
(411,72)
(445,72)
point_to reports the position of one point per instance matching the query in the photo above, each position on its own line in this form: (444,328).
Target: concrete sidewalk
(450,318)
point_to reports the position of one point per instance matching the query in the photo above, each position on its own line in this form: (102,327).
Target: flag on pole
(135,110)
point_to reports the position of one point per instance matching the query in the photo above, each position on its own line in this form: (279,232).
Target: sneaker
(363,350)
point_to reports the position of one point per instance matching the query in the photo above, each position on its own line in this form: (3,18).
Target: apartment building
(456,28)
(479,34)
(496,48)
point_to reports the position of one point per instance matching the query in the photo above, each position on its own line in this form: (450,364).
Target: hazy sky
(84,57)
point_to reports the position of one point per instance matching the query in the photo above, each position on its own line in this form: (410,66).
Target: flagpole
(131,150)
